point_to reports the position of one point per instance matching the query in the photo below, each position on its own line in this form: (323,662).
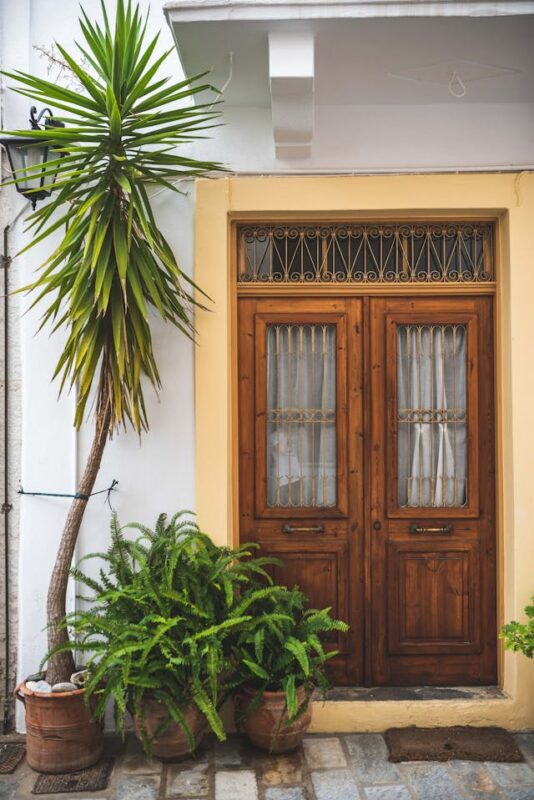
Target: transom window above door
(371,253)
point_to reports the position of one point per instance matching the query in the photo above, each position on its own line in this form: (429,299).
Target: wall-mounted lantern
(24,152)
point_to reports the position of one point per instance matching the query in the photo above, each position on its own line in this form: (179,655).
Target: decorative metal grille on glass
(301,416)
(432,416)
(371,253)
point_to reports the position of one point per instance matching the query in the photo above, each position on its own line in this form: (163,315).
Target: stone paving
(329,767)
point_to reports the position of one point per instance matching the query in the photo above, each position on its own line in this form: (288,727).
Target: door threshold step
(381,693)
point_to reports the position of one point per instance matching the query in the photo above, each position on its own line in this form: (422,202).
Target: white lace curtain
(301,409)
(432,419)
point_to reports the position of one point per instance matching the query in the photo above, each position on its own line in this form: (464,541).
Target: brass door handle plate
(309,529)
(443,529)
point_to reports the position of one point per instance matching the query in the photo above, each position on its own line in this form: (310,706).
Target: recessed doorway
(366,463)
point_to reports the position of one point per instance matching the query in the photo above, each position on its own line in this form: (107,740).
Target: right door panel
(432,504)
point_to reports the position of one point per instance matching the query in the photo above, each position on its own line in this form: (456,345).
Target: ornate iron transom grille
(403,252)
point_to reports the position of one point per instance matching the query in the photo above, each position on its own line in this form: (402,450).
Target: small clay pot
(61,734)
(267,726)
(172,744)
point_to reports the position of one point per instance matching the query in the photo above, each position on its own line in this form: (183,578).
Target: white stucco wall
(380,138)
(158,473)
(154,475)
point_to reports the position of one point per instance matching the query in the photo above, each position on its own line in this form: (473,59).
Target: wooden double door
(366,464)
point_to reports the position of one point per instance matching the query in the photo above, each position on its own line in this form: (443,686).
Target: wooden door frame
(366,292)
(306,309)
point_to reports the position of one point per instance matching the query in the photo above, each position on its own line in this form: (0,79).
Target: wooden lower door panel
(433,597)
(320,570)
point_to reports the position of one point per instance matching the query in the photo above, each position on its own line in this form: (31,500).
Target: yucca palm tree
(113,265)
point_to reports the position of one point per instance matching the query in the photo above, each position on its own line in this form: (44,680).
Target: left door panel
(300,452)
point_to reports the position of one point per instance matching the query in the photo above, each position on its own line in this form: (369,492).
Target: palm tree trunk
(61,666)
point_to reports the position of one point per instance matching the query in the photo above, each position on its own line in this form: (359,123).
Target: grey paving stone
(135,761)
(324,752)
(387,793)
(519,793)
(191,781)
(526,743)
(137,788)
(234,785)
(231,753)
(336,784)
(8,789)
(140,765)
(510,774)
(475,779)
(285,793)
(432,781)
(369,754)
(281,769)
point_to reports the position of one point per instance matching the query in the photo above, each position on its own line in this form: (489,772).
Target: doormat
(93,779)
(462,742)
(10,757)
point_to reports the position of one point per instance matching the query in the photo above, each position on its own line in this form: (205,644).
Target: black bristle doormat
(92,779)
(10,757)
(463,742)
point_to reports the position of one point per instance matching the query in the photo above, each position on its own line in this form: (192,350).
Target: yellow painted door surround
(507,198)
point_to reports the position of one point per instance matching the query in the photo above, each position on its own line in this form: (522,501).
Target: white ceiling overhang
(307,56)
(195,10)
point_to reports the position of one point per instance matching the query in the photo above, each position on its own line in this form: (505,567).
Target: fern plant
(519,636)
(281,646)
(165,611)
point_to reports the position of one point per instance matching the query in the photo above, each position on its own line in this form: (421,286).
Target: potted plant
(281,659)
(519,636)
(159,630)
(111,272)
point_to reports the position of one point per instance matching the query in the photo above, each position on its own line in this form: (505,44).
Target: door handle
(294,529)
(421,529)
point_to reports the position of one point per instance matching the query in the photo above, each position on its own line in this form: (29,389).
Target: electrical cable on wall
(76,495)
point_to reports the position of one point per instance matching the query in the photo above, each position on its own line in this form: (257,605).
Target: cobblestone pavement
(343,767)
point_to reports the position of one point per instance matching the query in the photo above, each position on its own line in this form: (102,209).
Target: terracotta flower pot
(267,727)
(172,744)
(61,733)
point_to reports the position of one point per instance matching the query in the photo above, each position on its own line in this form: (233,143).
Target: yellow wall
(510,198)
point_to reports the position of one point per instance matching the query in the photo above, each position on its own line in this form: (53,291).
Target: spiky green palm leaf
(113,266)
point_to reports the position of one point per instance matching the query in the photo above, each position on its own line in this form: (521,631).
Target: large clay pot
(267,725)
(61,733)
(172,744)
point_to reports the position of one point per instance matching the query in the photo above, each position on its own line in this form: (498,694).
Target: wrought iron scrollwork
(391,253)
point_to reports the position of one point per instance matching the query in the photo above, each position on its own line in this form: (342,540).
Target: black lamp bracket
(50,122)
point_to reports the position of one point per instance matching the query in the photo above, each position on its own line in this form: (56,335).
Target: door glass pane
(432,416)
(301,416)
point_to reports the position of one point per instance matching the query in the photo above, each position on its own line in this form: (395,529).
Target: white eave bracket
(291,78)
